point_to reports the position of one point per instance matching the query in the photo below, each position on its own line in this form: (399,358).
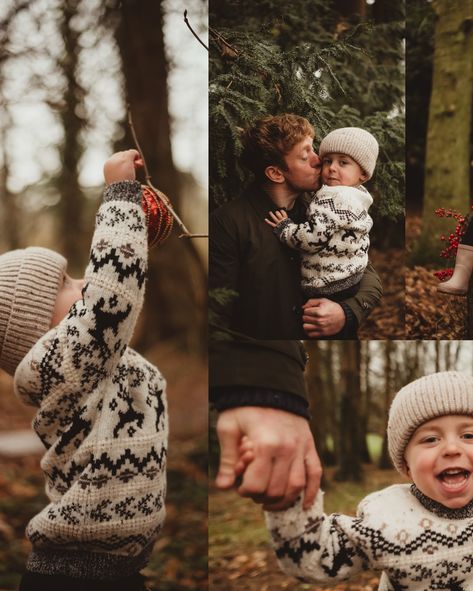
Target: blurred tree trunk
(8,205)
(72,115)
(350,462)
(365,402)
(317,395)
(384,460)
(437,356)
(177,281)
(333,401)
(9,211)
(447,164)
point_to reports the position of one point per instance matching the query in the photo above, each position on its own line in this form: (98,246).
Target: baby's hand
(276,217)
(247,455)
(122,166)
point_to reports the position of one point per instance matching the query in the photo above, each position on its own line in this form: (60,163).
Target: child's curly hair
(269,139)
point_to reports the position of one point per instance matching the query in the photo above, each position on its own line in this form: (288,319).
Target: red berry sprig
(452,240)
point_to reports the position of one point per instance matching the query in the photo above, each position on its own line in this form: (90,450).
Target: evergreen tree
(266,58)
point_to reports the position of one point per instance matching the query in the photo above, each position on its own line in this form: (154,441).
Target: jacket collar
(262,204)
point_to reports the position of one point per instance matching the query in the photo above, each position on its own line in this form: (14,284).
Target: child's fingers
(272,224)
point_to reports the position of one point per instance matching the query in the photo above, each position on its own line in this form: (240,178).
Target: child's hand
(276,217)
(247,455)
(122,166)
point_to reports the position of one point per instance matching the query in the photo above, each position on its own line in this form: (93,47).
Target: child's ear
(363,177)
(406,466)
(274,174)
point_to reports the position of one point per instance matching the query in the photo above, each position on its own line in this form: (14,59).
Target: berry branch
(452,240)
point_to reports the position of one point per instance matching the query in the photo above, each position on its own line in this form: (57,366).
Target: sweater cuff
(224,398)
(351,321)
(123,191)
(278,230)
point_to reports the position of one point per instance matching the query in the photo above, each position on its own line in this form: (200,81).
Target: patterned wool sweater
(419,544)
(102,413)
(334,240)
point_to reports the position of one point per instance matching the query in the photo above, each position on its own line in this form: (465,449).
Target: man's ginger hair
(271,138)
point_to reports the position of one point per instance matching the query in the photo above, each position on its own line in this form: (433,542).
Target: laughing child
(419,535)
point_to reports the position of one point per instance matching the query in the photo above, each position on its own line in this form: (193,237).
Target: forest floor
(429,313)
(386,321)
(179,560)
(240,558)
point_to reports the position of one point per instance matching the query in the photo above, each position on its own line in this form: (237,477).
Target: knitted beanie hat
(355,142)
(29,282)
(435,395)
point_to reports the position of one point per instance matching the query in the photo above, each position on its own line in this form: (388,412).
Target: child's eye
(430,439)
(467,435)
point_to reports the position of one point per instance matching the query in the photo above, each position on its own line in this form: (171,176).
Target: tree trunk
(176,307)
(384,460)
(71,236)
(350,462)
(447,165)
(317,393)
(365,403)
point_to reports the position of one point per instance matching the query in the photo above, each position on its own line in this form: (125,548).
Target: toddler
(334,241)
(101,406)
(419,535)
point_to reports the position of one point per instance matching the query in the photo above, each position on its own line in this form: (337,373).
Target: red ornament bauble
(158,217)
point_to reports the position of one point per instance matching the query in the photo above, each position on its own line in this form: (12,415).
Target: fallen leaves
(431,314)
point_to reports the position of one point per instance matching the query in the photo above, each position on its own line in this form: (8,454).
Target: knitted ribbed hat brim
(434,395)
(29,283)
(357,143)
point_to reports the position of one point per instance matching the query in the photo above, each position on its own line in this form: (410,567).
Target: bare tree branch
(192,30)
(164,198)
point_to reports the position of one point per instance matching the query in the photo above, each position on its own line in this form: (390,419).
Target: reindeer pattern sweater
(102,413)
(334,241)
(417,543)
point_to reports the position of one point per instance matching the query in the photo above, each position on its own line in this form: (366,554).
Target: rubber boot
(458,282)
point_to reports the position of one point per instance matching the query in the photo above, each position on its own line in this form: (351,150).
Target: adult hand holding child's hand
(122,166)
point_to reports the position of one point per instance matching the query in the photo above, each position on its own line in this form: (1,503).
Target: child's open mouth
(454,477)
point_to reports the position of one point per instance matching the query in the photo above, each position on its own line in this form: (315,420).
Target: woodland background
(67,70)
(439,157)
(337,63)
(350,388)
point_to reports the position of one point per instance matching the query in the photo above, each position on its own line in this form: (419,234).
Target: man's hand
(122,166)
(322,318)
(285,459)
(276,217)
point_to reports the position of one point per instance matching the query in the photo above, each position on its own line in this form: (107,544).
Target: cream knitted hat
(357,143)
(435,395)
(29,282)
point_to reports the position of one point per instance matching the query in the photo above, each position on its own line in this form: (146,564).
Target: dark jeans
(467,237)
(36,582)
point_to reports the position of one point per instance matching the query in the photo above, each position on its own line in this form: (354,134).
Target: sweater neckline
(439,509)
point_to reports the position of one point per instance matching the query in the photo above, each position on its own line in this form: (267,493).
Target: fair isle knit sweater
(417,543)
(102,413)
(334,241)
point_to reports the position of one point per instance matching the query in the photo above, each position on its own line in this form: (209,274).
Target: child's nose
(451,447)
